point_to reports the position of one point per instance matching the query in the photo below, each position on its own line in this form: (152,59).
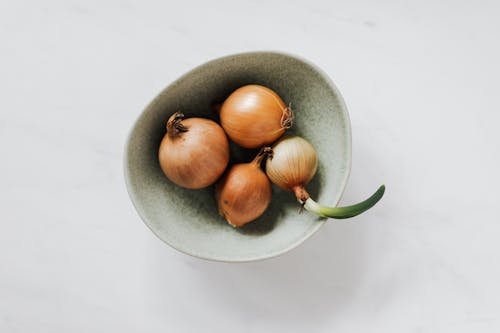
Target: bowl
(187,219)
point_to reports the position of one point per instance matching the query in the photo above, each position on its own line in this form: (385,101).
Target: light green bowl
(188,219)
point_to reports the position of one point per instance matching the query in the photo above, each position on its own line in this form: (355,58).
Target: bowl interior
(188,219)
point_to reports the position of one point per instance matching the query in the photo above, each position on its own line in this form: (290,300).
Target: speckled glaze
(188,219)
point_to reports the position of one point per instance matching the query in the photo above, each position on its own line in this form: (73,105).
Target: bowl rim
(311,231)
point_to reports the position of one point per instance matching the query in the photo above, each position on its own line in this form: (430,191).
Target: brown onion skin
(254,116)
(243,193)
(197,157)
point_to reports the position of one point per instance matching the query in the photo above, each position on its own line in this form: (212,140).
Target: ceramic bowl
(187,219)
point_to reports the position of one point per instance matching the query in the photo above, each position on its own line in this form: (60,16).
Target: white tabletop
(421,81)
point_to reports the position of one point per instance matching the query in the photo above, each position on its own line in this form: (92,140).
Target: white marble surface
(421,81)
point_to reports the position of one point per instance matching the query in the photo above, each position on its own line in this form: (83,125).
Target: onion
(254,116)
(244,192)
(293,164)
(194,153)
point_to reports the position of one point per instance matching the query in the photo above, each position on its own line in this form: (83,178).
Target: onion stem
(174,125)
(347,211)
(264,152)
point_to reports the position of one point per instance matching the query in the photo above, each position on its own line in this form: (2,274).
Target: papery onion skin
(254,116)
(243,193)
(294,163)
(194,153)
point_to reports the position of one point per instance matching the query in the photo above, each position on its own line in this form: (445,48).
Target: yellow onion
(194,153)
(244,192)
(293,164)
(254,116)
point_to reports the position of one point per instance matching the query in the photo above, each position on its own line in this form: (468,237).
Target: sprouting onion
(293,164)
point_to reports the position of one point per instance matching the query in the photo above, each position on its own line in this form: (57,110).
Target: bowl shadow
(306,286)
